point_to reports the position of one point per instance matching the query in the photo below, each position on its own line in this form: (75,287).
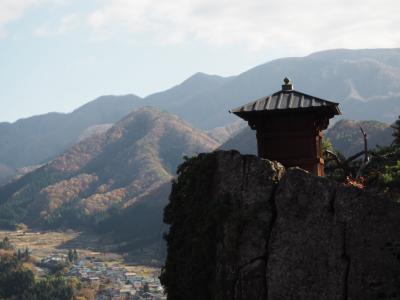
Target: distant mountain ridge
(184,92)
(367,86)
(37,139)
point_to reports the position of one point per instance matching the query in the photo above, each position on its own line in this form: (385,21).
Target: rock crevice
(347,261)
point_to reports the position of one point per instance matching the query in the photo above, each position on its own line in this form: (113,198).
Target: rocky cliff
(246,228)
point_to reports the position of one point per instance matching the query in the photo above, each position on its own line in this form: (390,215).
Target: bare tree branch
(366,156)
(353,157)
(341,164)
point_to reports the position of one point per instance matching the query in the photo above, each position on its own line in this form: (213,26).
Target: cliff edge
(245,228)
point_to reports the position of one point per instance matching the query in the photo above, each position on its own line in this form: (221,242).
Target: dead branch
(366,156)
(353,157)
(341,164)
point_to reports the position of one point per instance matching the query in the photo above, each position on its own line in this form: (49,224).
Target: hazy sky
(58,54)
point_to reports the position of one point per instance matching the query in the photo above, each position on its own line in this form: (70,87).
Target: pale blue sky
(56,55)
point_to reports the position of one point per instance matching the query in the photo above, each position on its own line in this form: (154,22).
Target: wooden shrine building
(289,127)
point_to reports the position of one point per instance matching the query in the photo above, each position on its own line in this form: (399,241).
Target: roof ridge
(287,100)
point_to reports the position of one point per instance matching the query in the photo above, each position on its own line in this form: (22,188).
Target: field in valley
(45,243)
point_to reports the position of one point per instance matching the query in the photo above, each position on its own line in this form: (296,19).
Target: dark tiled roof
(287,100)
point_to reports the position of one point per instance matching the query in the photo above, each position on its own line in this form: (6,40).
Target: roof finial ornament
(288,86)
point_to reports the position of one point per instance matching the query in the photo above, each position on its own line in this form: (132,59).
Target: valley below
(44,243)
(97,265)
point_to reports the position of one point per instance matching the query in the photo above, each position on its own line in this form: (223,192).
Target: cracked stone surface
(282,234)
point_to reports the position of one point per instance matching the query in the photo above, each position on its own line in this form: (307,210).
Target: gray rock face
(282,234)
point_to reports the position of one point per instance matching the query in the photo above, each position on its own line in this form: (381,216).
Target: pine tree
(75,255)
(19,255)
(146,288)
(6,244)
(70,256)
(396,133)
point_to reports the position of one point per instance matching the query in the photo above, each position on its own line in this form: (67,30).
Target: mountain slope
(244,141)
(184,93)
(37,139)
(224,133)
(5,172)
(104,173)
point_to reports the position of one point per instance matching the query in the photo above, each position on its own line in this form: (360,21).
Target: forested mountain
(105,173)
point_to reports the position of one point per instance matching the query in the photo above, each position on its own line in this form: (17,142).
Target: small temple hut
(289,127)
